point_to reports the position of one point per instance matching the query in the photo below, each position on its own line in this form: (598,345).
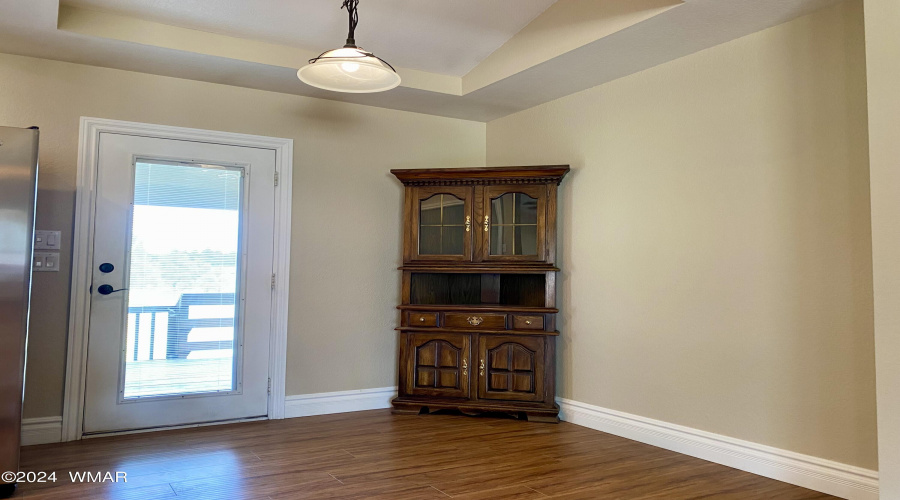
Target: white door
(181,296)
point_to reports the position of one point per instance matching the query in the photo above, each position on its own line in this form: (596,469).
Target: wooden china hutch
(478,302)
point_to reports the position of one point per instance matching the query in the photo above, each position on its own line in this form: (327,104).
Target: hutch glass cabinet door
(514,223)
(442,224)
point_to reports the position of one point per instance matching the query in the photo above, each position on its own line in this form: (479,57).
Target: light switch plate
(46,262)
(46,240)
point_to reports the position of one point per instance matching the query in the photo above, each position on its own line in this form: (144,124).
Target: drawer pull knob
(475,320)
(481,368)
(465,368)
(527,321)
(422,319)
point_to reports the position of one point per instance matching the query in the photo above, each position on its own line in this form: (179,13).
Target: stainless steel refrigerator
(18,190)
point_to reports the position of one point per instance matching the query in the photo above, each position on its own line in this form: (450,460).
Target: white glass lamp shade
(349,69)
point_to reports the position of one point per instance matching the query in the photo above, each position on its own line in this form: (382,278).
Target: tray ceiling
(439,36)
(470,59)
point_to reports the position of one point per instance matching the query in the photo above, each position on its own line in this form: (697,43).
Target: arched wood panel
(440,365)
(513,368)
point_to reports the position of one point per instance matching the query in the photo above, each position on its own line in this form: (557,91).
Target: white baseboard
(41,430)
(826,476)
(324,403)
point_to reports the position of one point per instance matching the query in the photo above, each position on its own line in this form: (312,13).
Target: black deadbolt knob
(106,267)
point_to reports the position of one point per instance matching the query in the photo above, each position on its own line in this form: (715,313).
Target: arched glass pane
(442,225)
(514,225)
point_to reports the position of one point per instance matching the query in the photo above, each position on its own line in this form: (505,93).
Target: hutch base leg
(406,408)
(542,417)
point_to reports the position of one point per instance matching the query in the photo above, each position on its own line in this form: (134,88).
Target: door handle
(108,289)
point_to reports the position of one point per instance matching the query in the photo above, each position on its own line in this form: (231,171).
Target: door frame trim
(82,254)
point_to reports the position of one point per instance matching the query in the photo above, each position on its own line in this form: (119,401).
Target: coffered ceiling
(471,59)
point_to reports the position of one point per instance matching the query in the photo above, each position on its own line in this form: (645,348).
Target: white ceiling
(440,36)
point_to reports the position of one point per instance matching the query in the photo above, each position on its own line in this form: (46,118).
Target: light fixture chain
(351,6)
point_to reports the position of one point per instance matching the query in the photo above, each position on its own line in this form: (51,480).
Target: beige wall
(346,208)
(883,67)
(715,238)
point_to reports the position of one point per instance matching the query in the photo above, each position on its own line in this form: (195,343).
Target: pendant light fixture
(350,68)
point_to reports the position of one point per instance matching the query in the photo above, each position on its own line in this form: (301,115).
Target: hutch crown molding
(478,308)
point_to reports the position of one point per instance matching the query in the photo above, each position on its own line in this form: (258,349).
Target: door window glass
(182,321)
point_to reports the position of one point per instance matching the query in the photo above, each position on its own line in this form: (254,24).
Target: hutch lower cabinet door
(438,365)
(511,368)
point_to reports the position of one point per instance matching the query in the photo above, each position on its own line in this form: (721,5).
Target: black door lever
(108,289)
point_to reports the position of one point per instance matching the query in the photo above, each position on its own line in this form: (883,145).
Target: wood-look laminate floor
(378,455)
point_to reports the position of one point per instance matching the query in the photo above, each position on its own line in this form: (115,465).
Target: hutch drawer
(423,319)
(490,321)
(520,322)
